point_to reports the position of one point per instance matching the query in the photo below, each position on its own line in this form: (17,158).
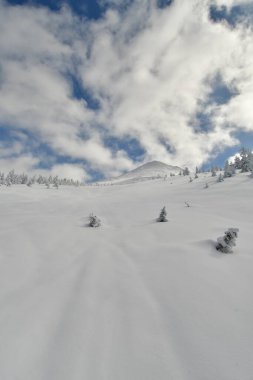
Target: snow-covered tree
(213,170)
(244,160)
(196,176)
(237,162)
(228,241)
(190,180)
(186,171)
(10,178)
(162,216)
(23,179)
(206,186)
(229,170)
(1,178)
(220,178)
(56,182)
(94,221)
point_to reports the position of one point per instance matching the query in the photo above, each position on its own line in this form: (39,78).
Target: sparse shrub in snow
(162,216)
(228,241)
(187,204)
(94,221)
(206,186)
(220,178)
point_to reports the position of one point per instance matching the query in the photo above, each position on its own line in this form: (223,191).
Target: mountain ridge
(149,170)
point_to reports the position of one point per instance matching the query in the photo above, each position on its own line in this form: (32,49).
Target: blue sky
(91,89)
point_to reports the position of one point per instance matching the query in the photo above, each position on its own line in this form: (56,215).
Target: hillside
(150,170)
(133,299)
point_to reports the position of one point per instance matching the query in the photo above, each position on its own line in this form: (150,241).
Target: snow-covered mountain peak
(153,169)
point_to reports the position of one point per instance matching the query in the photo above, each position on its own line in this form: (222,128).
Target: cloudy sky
(93,88)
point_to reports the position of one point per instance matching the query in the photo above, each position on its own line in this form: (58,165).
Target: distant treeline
(13,178)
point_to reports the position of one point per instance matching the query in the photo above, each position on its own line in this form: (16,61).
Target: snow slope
(134,299)
(153,169)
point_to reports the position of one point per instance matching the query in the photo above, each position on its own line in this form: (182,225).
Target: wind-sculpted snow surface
(133,299)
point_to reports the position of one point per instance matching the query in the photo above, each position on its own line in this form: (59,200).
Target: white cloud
(23,163)
(151,70)
(72,171)
(231,3)
(156,80)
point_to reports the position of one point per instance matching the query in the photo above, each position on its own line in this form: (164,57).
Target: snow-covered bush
(227,242)
(162,216)
(206,186)
(94,221)
(220,178)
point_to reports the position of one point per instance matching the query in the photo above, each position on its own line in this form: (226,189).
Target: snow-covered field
(133,299)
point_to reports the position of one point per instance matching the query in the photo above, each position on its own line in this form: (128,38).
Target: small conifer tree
(220,178)
(229,170)
(94,221)
(246,157)
(162,216)
(228,241)
(186,171)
